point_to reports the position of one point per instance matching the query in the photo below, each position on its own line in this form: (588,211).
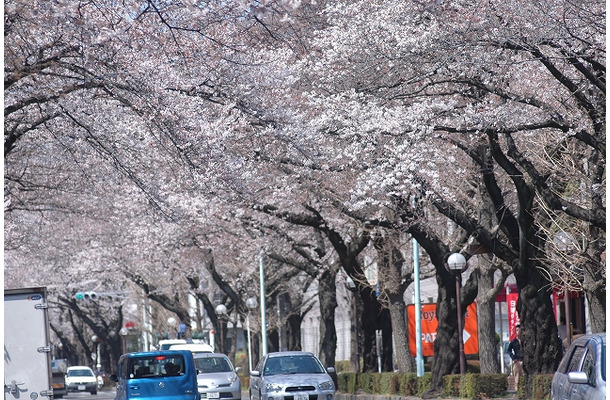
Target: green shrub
(342,366)
(424,383)
(408,384)
(365,381)
(471,386)
(451,385)
(477,386)
(541,386)
(389,383)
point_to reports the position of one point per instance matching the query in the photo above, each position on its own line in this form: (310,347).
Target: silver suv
(291,375)
(582,372)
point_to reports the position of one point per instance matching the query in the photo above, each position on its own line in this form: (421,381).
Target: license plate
(82,387)
(301,396)
(213,395)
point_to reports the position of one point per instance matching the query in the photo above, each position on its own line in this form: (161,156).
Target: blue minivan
(167,374)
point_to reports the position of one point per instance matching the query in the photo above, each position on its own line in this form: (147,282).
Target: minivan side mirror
(255,373)
(114,378)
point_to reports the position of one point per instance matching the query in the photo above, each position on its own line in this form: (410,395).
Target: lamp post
(221,310)
(565,242)
(261,267)
(251,303)
(457,264)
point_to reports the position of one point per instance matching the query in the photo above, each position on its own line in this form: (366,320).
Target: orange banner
(429,324)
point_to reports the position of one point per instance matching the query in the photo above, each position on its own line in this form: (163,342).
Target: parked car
(81,379)
(168,374)
(582,372)
(216,377)
(291,375)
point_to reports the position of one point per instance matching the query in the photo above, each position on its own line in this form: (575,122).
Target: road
(106,394)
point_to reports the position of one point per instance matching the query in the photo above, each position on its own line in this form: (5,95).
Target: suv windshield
(292,365)
(155,366)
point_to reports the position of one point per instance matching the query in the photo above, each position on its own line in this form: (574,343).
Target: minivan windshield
(155,366)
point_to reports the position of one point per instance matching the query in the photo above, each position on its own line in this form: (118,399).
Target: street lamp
(457,264)
(123,332)
(221,310)
(96,342)
(171,321)
(251,303)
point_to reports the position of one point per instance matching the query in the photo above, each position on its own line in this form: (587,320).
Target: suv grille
(299,388)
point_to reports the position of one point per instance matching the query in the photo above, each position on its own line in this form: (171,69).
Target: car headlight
(273,387)
(326,385)
(232,377)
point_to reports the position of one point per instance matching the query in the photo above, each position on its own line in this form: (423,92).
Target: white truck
(27,351)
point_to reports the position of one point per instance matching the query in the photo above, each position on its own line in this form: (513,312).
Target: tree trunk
(294,332)
(327,296)
(387,350)
(393,283)
(355,347)
(541,346)
(446,349)
(446,345)
(594,281)
(486,321)
(371,310)
(404,360)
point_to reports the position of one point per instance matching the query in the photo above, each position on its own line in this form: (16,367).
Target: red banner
(429,324)
(513,315)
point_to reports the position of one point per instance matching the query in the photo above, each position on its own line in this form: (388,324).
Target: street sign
(429,325)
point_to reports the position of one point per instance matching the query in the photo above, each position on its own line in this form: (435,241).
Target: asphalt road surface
(106,394)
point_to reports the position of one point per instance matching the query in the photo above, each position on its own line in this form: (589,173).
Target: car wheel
(94,392)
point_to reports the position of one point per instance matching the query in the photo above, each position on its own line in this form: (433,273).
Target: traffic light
(86,296)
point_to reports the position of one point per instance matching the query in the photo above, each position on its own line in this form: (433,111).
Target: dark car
(168,374)
(291,375)
(216,377)
(582,372)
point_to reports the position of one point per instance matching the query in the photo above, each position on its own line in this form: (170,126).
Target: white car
(216,377)
(81,379)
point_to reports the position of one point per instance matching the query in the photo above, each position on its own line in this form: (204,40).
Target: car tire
(94,392)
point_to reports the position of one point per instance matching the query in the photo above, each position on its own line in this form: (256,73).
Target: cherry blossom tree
(138,135)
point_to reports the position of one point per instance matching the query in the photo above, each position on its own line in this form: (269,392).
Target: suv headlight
(326,385)
(273,387)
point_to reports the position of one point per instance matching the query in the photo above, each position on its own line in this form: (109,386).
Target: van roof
(193,347)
